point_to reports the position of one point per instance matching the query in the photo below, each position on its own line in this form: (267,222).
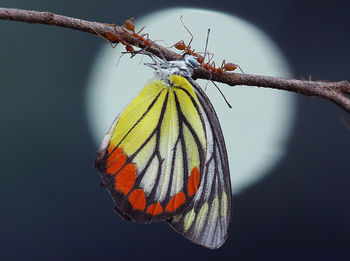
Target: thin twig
(337,92)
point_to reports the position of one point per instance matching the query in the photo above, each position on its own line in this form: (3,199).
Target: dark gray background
(51,205)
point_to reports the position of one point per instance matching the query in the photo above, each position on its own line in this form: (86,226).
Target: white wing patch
(140,159)
(178,174)
(148,180)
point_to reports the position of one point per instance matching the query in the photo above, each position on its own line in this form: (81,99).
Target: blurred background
(293,205)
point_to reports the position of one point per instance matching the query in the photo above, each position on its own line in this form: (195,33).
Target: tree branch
(337,92)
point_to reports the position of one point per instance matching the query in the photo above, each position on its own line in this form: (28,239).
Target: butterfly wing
(152,159)
(206,219)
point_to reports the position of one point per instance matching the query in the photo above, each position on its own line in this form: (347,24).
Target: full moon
(258,126)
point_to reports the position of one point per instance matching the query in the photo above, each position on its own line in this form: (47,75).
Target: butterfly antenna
(217,87)
(205,53)
(206,44)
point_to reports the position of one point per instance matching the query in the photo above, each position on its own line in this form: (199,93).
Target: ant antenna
(217,87)
(187,31)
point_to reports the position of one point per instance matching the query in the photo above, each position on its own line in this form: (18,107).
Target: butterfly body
(164,158)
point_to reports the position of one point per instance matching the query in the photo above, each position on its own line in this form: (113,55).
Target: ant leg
(141,30)
(223,64)
(239,67)
(99,34)
(189,44)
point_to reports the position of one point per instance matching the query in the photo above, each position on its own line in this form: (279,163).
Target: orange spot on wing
(193,182)
(177,201)
(137,199)
(154,209)
(115,161)
(125,179)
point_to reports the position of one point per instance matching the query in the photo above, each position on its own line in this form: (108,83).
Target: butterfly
(164,158)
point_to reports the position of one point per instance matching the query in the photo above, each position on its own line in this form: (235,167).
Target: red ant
(112,38)
(225,67)
(115,39)
(181,46)
(129,27)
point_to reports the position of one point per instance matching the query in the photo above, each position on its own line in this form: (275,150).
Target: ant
(129,28)
(225,67)
(181,46)
(114,39)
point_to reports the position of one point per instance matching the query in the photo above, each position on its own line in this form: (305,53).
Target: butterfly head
(190,60)
(164,69)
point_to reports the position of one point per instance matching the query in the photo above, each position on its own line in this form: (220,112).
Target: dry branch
(337,92)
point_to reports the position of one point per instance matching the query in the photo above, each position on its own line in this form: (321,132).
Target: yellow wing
(152,159)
